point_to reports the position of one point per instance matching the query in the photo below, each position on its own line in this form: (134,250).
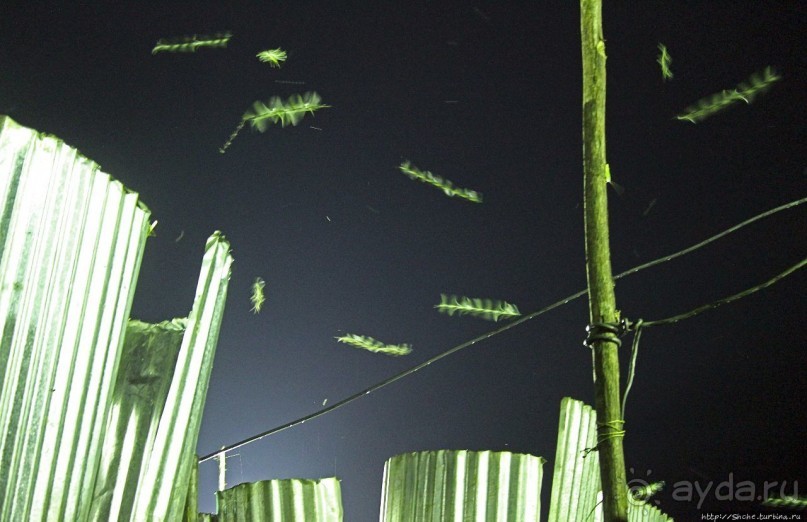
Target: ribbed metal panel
(172,454)
(576,480)
(191,512)
(576,484)
(287,500)
(147,366)
(446,485)
(641,512)
(71,242)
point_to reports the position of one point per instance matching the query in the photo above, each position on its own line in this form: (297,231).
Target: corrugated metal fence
(78,439)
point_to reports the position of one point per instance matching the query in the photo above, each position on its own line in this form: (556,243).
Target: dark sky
(348,244)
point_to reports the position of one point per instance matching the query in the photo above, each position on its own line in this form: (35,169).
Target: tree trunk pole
(602,302)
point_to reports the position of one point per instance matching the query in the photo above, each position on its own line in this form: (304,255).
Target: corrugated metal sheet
(172,453)
(576,480)
(287,500)
(71,242)
(645,512)
(462,485)
(576,485)
(147,366)
(191,513)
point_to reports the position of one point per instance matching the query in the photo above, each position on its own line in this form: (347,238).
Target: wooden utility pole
(602,302)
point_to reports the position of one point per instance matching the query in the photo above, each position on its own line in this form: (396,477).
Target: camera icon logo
(641,490)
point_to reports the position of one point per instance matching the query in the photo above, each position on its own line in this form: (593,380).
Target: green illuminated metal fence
(502,486)
(462,485)
(71,243)
(286,500)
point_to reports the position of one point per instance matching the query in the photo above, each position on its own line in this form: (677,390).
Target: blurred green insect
(787,502)
(291,111)
(644,493)
(445,185)
(482,308)
(664,60)
(276,110)
(272,56)
(746,91)
(258,297)
(372,345)
(189,44)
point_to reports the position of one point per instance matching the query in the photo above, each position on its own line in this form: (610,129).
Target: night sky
(488,95)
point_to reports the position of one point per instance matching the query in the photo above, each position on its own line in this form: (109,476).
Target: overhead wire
(641,324)
(508,326)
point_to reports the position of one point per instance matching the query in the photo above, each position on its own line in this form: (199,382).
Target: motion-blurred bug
(274,57)
(258,297)
(664,60)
